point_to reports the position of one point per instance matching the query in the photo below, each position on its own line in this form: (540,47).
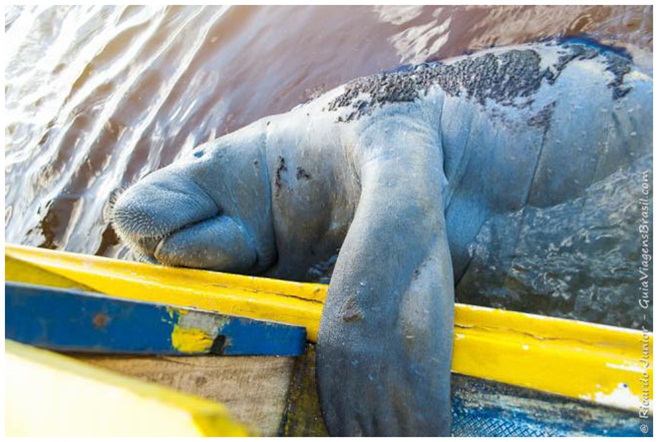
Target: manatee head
(208,210)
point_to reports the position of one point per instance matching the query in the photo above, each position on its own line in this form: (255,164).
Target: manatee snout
(168,218)
(218,243)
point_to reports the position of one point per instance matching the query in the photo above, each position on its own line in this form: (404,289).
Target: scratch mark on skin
(350,311)
(279,170)
(302,174)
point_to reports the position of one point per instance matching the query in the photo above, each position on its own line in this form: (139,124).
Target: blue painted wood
(74,320)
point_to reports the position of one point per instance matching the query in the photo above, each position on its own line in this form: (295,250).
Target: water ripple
(98,96)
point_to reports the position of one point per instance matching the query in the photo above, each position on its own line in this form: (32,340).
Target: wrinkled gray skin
(399,172)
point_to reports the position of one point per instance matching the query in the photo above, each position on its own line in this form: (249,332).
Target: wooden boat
(513,373)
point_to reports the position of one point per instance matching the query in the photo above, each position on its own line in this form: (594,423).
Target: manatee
(401,186)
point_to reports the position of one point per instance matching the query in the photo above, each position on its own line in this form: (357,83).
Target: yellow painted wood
(24,271)
(601,364)
(596,363)
(47,394)
(257,298)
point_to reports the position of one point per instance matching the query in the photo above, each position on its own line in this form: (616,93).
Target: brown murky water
(97,97)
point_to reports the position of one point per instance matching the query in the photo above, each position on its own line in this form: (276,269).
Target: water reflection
(98,96)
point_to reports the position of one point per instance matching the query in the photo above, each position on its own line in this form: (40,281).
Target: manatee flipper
(385,342)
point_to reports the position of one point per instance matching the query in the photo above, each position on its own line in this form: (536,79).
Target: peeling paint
(100,320)
(210,324)
(625,367)
(195,332)
(620,397)
(190,340)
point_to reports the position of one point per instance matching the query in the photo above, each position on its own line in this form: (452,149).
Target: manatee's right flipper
(385,343)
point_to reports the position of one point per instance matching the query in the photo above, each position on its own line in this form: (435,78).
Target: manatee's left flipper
(385,342)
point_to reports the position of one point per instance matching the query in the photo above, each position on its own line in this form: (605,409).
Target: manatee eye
(199,153)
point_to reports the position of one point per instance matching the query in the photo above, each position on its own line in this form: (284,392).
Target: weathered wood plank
(253,389)
(73,320)
(47,394)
